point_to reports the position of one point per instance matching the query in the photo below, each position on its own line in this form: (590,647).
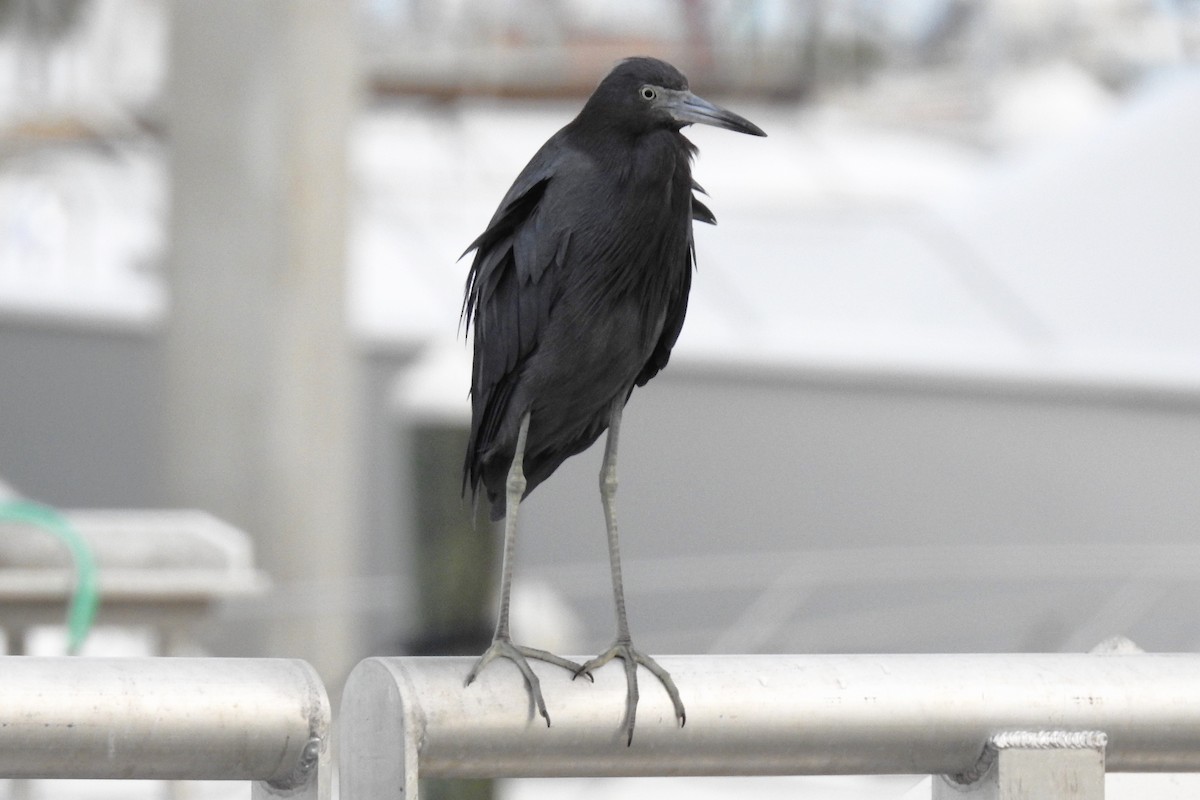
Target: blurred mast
(259,397)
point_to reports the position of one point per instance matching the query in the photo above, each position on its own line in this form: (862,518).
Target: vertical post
(258,363)
(455,548)
(1025,765)
(456,569)
(454,545)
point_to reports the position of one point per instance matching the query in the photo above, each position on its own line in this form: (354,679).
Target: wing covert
(511,287)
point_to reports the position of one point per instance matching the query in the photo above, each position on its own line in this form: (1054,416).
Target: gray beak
(687,108)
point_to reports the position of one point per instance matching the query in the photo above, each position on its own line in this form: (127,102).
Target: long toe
(504,648)
(550,658)
(632,658)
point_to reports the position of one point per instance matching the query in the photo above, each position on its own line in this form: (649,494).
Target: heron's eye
(648,92)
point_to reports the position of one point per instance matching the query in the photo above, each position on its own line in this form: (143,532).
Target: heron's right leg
(502,645)
(623,647)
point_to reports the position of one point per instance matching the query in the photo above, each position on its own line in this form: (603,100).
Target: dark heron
(577,294)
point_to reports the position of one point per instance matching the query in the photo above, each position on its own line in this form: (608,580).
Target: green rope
(86,597)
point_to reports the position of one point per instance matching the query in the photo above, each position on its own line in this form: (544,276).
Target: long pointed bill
(687,108)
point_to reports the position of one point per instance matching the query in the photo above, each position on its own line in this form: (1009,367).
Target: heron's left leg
(623,647)
(502,644)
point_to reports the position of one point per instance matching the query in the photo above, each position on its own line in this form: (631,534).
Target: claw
(632,658)
(504,648)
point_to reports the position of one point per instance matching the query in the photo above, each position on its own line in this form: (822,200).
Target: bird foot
(502,647)
(625,651)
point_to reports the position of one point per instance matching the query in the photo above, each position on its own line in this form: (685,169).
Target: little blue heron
(576,295)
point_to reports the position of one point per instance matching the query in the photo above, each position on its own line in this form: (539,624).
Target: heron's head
(642,94)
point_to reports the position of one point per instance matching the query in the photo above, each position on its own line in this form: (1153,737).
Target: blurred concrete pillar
(259,371)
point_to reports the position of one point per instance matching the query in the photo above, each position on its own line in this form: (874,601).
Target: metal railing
(256,719)
(992,726)
(987,721)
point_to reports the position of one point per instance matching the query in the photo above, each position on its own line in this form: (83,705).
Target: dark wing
(677,305)
(513,283)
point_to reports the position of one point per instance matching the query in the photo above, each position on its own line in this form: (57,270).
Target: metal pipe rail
(257,719)
(763,715)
